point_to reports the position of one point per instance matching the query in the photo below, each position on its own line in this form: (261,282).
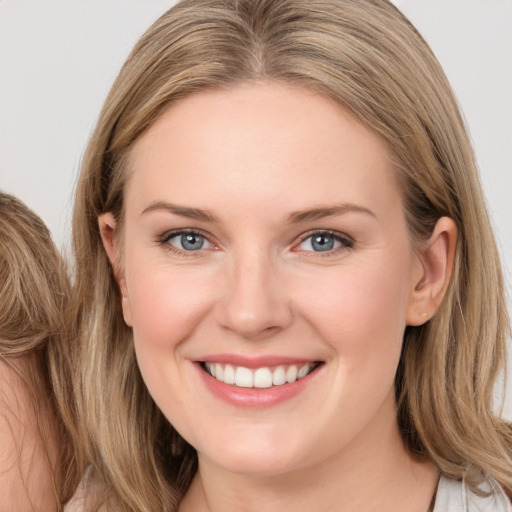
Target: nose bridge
(255,304)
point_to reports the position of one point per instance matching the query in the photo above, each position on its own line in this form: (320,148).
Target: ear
(435,258)
(107,227)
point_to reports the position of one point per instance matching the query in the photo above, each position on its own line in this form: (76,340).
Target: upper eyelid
(333,233)
(163,240)
(346,243)
(183,231)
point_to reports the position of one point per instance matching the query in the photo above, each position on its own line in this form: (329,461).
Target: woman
(287,290)
(37,469)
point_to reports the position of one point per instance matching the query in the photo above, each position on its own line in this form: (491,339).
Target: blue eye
(188,241)
(323,242)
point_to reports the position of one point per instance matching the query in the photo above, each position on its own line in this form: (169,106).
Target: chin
(255,457)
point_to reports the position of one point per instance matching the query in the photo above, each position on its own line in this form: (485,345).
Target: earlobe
(436,257)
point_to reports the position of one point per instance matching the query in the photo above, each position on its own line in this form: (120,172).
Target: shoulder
(28,448)
(455,496)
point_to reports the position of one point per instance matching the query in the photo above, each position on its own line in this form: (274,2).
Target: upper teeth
(259,377)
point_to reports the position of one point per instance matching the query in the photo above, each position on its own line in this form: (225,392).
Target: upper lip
(254,362)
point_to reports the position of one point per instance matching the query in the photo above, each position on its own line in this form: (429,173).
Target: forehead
(260,140)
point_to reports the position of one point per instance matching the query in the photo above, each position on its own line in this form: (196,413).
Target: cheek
(165,304)
(361,311)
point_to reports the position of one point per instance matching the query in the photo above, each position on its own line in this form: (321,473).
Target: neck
(375,473)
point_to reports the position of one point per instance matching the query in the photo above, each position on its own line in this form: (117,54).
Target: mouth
(261,378)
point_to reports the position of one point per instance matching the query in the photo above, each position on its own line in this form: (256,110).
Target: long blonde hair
(34,297)
(368,57)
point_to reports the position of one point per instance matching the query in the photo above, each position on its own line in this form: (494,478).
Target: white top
(454,496)
(451,496)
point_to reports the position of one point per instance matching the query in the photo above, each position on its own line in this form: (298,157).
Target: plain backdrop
(58,59)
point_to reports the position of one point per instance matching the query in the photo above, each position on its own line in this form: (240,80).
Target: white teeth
(243,377)
(262,378)
(303,371)
(229,374)
(211,368)
(279,376)
(219,371)
(259,378)
(291,374)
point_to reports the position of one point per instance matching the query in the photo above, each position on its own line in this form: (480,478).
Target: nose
(254,303)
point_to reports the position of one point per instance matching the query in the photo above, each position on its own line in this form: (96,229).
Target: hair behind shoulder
(365,55)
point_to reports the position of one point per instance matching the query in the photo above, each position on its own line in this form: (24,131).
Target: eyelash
(345,241)
(163,240)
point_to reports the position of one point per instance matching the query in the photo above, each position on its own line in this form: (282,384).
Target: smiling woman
(257,288)
(281,293)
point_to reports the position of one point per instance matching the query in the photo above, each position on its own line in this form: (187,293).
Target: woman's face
(265,242)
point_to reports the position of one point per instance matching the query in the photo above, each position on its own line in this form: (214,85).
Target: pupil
(323,243)
(191,242)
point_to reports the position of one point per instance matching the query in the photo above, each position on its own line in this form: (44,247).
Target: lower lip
(256,398)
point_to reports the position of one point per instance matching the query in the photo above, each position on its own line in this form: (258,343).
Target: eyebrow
(326,211)
(182,211)
(292,218)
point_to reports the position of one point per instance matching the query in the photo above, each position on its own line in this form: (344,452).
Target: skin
(26,460)
(252,157)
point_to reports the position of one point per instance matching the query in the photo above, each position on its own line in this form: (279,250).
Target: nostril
(254,319)
(254,333)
